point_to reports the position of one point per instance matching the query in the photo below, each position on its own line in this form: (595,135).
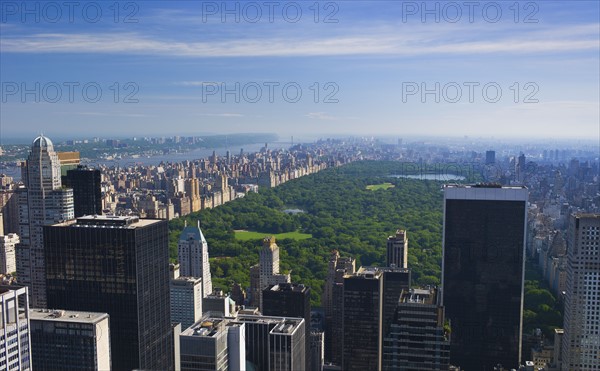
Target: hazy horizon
(158,68)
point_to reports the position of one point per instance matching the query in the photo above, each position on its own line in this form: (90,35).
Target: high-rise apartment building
(186,300)
(362,317)
(69,340)
(8,262)
(43,202)
(482,273)
(289,300)
(120,266)
(581,339)
(417,340)
(397,249)
(15,343)
(267,271)
(87,190)
(193,256)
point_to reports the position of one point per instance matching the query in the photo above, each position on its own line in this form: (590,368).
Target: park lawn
(250,235)
(376,187)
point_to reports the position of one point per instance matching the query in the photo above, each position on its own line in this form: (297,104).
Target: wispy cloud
(321,116)
(227,114)
(567,39)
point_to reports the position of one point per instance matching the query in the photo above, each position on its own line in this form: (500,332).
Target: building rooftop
(191,232)
(366,273)
(42,142)
(208,326)
(295,287)
(108,221)
(66,316)
(418,296)
(488,192)
(182,280)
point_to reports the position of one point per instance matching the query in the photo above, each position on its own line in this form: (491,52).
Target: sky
(304,68)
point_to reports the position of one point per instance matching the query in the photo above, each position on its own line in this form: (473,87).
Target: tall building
(317,350)
(482,273)
(87,190)
(186,300)
(289,300)
(69,340)
(397,250)
(8,262)
(274,343)
(15,344)
(395,281)
(581,339)
(417,340)
(193,256)
(267,271)
(204,346)
(490,157)
(363,307)
(43,202)
(332,301)
(117,265)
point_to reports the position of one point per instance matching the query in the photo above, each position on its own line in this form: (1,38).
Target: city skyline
(367,65)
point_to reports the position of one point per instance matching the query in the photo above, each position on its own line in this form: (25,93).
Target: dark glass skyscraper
(289,300)
(363,307)
(87,191)
(117,265)
(482,270)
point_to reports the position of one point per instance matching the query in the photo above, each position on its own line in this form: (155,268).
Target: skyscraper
(581,339)
(397,250)
(87,191)
(490,157)
(289,300)
(69,340)
(7,253)
(186,300)
(120,266)
(44,202)
(362,320)
(417,340)
(267,271)
(482,273)
(15,344)
(333,299)
(395,281)
(193,256)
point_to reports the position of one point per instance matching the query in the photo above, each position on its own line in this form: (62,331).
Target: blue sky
(170,61)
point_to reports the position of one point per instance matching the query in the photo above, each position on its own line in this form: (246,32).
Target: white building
(193,256)
(15,344)
(44,202)
(269,267)
(7,253)
(186,301)
(69,340)
(581,339)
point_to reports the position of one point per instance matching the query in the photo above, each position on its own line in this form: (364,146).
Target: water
(438,177)
(179,157)
(294,211)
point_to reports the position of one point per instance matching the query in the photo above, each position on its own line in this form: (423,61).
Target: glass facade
(483,280)
(120,270)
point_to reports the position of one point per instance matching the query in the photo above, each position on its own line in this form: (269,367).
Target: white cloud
(369,42)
